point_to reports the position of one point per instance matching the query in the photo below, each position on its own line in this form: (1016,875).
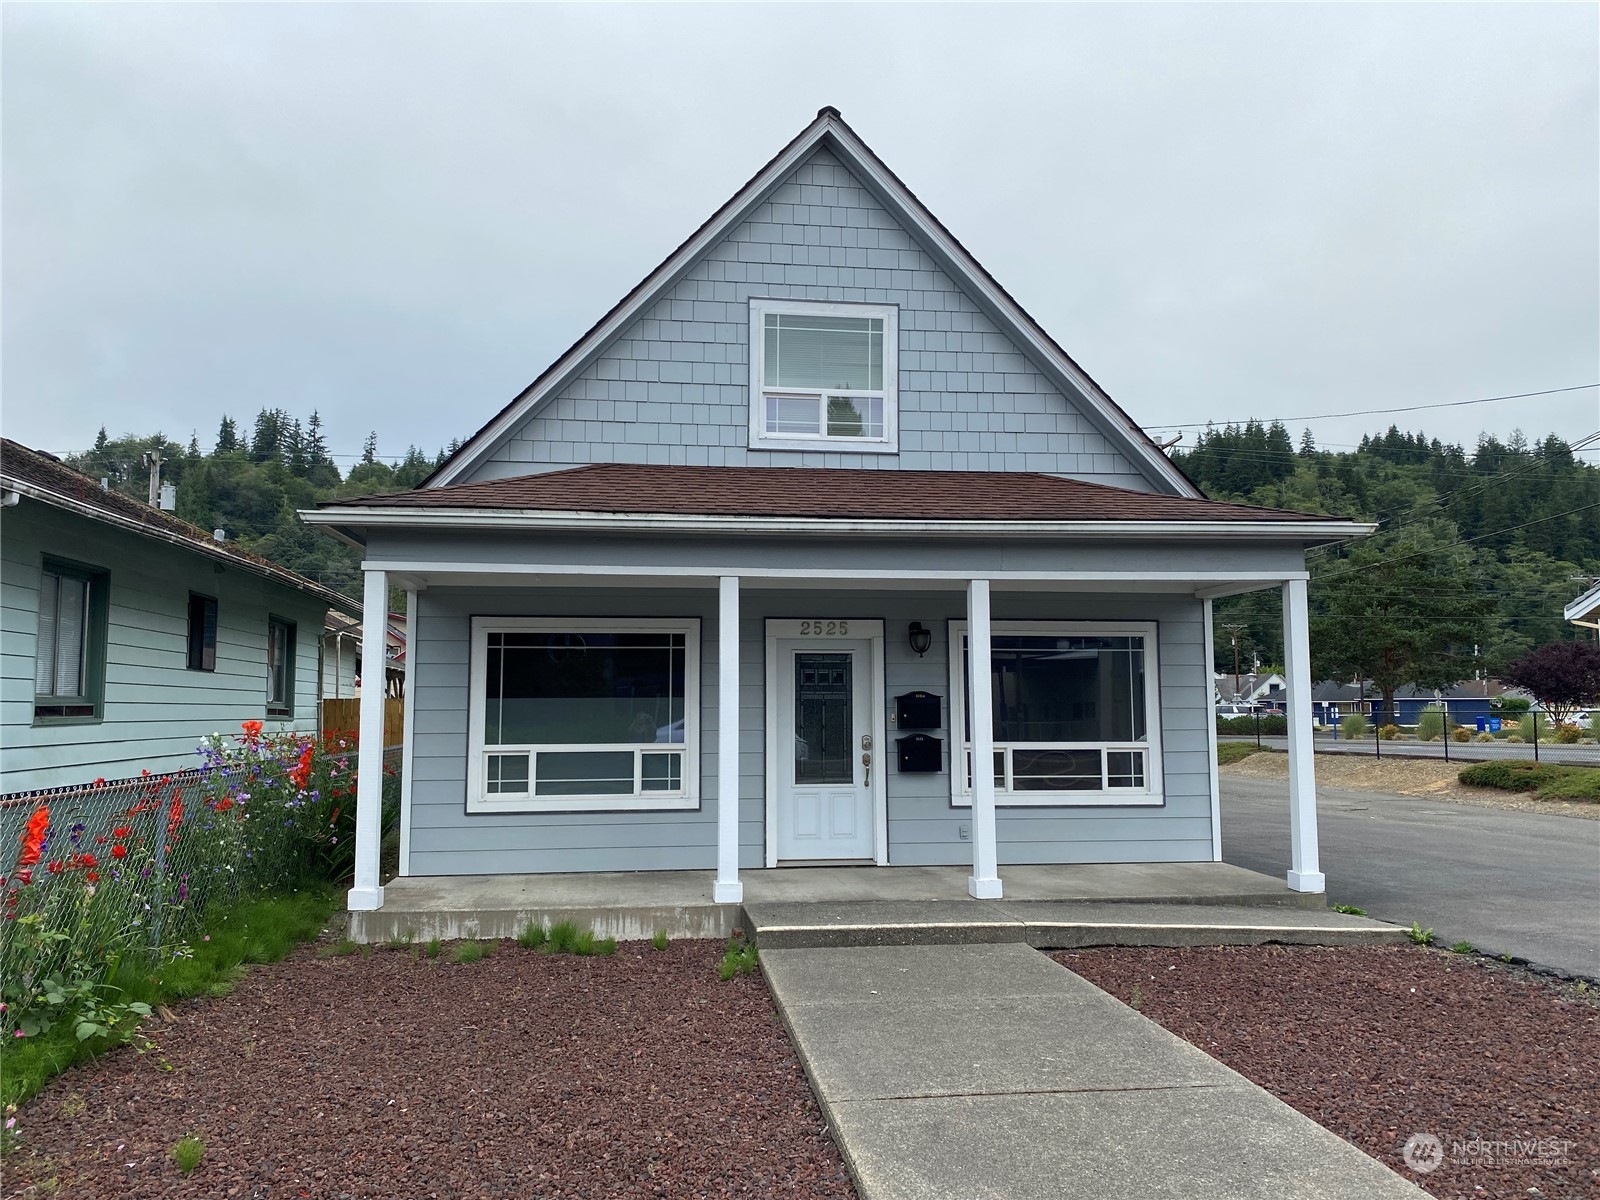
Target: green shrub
(1462,734)
(659,941)
(1419,935)
(1277,726)
(1350,910)
(1526,727)
(1389,732)
(534,937)
(1485,736)
(432,947)
(1567,734)
(470,952)
(1546,781)
(740,958)
(1515,739)
(1430,723)
(1505,705)
(1353,728)
(1232,752)
(563,938)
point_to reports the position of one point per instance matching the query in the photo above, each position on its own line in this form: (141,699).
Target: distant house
(342,662)
(1467,701)
(1584,612)
(1256,688)
(129,634)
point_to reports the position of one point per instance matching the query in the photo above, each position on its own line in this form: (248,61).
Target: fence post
(1377,741)
(1258,729)
(1535,717)
(1446,707)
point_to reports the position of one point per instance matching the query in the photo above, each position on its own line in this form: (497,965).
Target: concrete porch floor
(633,905)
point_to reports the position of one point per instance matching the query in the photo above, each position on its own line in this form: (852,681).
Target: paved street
(1517,883)
(1463,752)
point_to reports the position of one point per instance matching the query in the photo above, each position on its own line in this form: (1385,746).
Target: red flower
(56,867)
(33,837)
(89,860)
(300,773)
(92,876)
(174,813)
(119,851)
(224,804)
(122,831)
(98,782)
(252,731)
(26,876)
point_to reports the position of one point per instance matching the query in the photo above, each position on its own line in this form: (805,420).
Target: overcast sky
(400,214)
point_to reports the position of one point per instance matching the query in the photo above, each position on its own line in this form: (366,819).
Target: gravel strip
(522,1075)
(1380,1044)
(1412,778)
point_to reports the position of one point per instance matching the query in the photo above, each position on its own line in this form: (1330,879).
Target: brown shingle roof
(821,493)
(56,481)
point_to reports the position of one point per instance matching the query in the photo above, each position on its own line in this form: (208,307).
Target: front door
(826,758)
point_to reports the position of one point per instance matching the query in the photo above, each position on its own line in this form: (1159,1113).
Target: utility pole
(1233,632)
(152,459)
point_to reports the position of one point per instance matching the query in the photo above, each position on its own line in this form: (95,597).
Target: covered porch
(742,590)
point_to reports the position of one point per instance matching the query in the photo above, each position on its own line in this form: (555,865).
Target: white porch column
(366,895)
(728,889)
(1305,873)
(984,884)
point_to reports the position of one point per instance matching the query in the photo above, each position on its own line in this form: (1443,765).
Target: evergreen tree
(101,441)
(369,449)
(227,436)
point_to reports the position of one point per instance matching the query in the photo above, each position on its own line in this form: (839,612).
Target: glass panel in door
(824,722)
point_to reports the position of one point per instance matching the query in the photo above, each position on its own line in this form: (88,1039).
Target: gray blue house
(816,518)
(129,635)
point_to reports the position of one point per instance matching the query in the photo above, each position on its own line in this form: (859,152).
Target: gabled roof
(1585,609)
(830,131)
(821,494)
(48,480)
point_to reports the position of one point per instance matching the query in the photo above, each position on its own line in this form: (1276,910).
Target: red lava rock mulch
(522,1075)
(1381,1044)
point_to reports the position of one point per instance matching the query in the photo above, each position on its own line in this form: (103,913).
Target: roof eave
(549,520)
(279,575)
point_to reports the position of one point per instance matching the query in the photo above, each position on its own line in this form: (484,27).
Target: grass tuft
(659,941)
(534,937)
(1461,948)
(470,952)
(343,948)
(187,1152)
(1419,935)
(431,947)
(740,958)
(564,938)
(1350,910)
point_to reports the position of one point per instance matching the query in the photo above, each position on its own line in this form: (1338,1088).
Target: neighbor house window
(280,667)
(70,652)
(1076,713)
(580,714)
(202,633)
(823,376)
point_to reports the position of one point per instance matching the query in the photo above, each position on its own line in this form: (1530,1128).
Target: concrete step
(1052,924)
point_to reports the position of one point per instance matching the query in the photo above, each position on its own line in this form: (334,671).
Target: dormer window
(822,376)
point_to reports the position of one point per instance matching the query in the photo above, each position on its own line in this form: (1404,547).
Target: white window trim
(479,800)
(1149,795)
(761,440)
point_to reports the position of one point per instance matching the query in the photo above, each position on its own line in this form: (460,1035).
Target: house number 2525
(824,628)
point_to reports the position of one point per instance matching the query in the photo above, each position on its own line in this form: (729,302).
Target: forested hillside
(1476,554)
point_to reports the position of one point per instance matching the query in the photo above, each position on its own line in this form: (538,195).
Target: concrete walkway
(968,1072)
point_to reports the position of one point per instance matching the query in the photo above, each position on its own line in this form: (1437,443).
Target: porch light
(921,638)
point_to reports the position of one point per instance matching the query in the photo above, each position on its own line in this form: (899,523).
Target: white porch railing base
(364,899)
(728,893)
(983,889)
(1307,881)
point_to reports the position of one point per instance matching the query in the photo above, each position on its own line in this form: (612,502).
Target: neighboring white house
(1254,689)
(1584,612)
(813,520)
(129,634)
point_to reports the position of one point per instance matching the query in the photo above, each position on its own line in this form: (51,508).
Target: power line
(1393,408)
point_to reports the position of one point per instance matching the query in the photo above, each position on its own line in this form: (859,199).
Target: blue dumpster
(1494,724)
(1483,724)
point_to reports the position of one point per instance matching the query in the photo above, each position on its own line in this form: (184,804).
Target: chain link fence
(1465,731)
(90,876)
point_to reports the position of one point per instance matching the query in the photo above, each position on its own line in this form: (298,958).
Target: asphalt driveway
(1526,884)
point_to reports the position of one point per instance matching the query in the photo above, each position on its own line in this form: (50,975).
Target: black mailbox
(920,754)
(917,710)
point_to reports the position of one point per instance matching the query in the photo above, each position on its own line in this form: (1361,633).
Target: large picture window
(1076,715)
(583,714)
(823,376)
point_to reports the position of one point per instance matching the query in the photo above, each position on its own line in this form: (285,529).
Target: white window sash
(1149,794)
(760,390)
(61,653)
(686,796)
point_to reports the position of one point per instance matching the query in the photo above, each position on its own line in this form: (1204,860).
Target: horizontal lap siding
(156,711)
(923,826)
(674,388)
